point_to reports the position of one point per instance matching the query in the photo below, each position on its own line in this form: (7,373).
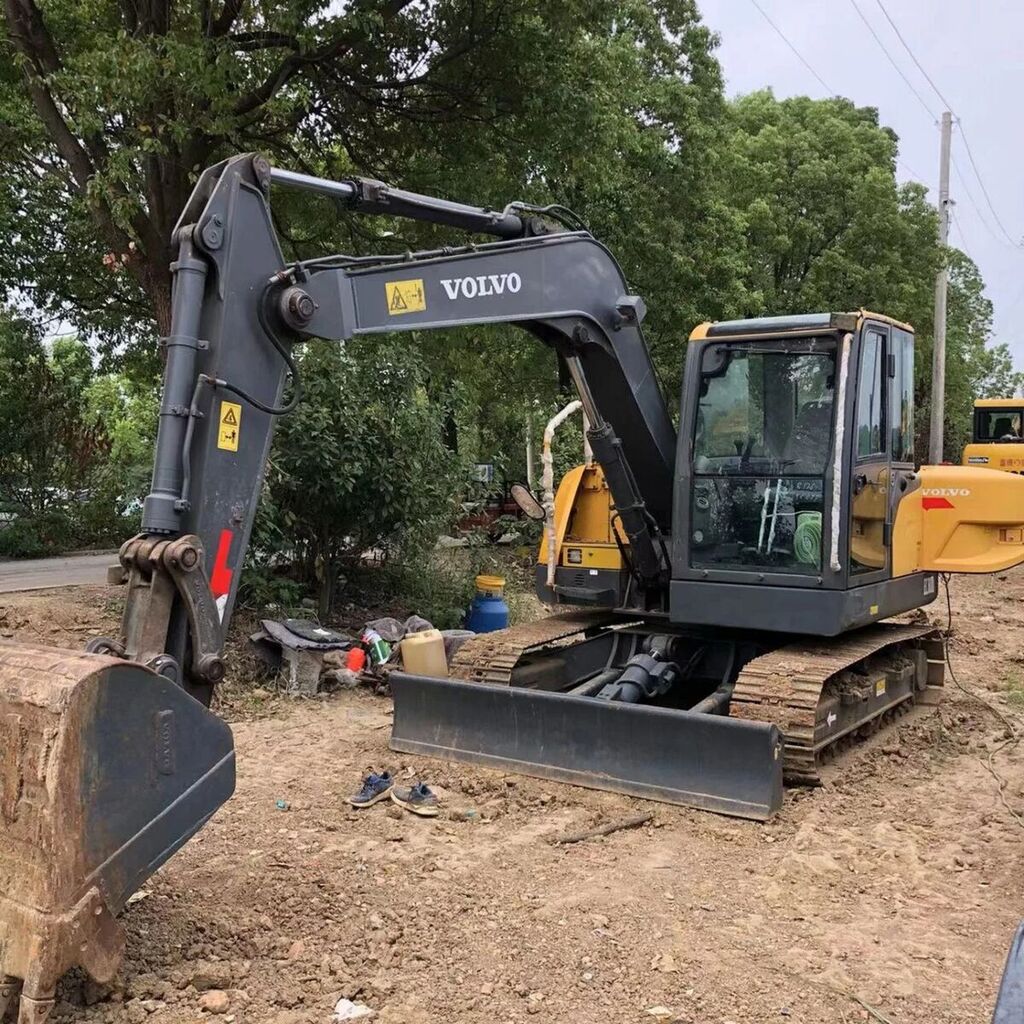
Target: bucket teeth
(8,990)
(34,1011)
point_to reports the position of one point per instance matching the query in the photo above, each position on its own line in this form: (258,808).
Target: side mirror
(527,501)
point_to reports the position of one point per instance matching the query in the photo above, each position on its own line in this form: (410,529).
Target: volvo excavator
(722,590)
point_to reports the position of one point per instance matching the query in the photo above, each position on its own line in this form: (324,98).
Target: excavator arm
(237,309)
(80,731)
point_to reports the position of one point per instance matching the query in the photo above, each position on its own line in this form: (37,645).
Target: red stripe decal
(220,578)
(927,503)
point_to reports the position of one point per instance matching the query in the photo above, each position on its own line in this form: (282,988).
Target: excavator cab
(799,505)
(799,453)
(840,524)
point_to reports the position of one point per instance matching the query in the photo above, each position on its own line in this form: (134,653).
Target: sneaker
(419,799)
(375,787)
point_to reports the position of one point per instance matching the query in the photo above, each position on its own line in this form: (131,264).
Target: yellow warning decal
(230,426)
(873,610)
(405,296)
(879,687)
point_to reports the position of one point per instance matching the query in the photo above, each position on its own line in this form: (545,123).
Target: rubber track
(491,657)
(786,685)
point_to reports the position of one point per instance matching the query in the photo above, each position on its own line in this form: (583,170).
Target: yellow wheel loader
(997,438)
(721,590)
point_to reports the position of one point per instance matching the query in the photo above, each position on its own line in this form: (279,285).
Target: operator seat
(1002,427)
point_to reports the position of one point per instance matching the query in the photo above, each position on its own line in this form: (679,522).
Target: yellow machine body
(961,519)
(585,523)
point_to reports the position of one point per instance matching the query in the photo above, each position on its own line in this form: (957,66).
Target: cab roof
(999,403)
(797,323)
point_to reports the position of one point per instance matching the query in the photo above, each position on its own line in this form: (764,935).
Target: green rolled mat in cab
(807,539)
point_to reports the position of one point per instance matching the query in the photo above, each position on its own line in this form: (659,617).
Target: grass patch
(1013,687)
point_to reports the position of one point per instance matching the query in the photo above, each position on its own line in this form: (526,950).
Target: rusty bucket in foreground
(106,769)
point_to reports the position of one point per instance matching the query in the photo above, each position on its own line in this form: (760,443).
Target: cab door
(871,505)
(903,479)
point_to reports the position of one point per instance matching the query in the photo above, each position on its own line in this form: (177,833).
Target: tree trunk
(451,431)
(325,597)
(159,290)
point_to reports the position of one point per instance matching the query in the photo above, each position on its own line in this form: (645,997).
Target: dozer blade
(106,769)
(680,757)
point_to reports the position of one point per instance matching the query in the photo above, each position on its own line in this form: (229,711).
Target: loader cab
(795,448)
(997,437)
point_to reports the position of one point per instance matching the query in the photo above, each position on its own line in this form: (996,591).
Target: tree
(75,446)
(360,465)
(109,110)
(44,442)
(121,104)
(828,228)
(26,449)
(826,224)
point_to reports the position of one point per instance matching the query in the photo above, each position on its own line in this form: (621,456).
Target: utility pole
(941,281)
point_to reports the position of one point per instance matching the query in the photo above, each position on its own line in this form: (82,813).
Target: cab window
(901,415)
(998,424)
(870,391)
(762,443)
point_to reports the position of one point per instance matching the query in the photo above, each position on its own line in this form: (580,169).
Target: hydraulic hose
(283,351)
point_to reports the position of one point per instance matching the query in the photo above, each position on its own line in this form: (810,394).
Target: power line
(959,120)
(984,191)
(906,46)
(974,204)
(892,61)
(1005,242)
(963,237)
(832,92)
(803,60)
(910,172)
(1012,307)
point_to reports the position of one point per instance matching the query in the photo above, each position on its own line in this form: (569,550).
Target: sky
(973,51)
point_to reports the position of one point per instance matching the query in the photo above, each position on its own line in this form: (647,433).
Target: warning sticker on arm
(405,296)
(230,426)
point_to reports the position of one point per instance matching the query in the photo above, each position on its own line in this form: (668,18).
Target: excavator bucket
(106,769)
(682,757)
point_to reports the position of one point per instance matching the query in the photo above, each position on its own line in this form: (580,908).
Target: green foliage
(825,224)
(974,367)
(360,465)
(614,108)
(440,591)
(36,534)
(125,413)
(108,112)
(827,228)
(75,447)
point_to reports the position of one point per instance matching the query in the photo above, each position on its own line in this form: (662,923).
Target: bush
(360,465)
(75,446)
(37,535)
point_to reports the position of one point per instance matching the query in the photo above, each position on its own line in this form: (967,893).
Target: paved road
(43,573)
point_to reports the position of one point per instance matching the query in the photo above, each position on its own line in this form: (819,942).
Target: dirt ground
(891,894)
